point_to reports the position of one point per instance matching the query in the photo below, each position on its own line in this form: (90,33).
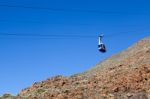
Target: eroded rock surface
(122,76)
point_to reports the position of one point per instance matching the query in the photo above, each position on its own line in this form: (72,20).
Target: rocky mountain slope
(122,76)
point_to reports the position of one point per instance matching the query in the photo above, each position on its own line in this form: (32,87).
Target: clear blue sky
(24,60)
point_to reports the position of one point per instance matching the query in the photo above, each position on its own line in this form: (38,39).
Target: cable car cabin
(102,48)
(101,45)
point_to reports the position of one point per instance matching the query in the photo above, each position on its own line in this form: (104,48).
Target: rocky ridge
(122,76)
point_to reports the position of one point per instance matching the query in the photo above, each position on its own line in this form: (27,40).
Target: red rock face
(123,76)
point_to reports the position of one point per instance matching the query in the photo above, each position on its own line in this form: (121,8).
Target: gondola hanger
(101,45)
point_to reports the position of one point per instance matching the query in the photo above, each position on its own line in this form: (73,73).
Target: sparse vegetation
(7,96)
